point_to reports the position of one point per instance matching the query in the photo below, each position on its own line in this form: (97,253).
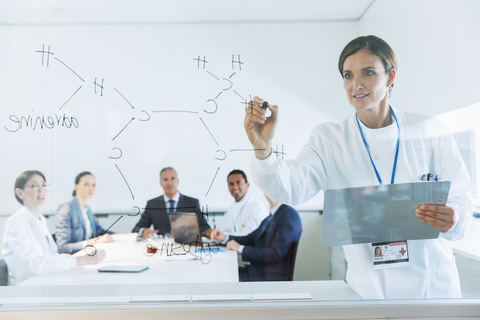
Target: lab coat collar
(245,198)
(386,132)
(29,215)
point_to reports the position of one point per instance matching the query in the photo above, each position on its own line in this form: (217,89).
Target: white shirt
(88,225)
(28,248)
(244,216)
(175,198)
(335,157)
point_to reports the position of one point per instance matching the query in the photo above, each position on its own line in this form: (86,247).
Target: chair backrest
(3,273)
(291,256)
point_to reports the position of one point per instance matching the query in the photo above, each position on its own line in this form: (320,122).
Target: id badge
(390,254)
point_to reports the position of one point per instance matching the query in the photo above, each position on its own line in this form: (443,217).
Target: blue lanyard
(238,215)
(396,153)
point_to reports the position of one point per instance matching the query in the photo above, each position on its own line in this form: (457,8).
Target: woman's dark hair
(23,179)
(378,249)
(77,179)
(374,45)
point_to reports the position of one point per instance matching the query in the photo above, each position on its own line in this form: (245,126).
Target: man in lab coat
(246,213)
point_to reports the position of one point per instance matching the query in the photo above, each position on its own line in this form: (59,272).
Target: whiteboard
(124,101)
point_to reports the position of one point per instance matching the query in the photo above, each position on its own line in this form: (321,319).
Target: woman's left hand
(441,218)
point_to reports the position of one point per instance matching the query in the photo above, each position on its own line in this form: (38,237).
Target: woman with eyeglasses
(28,247)
(76,225)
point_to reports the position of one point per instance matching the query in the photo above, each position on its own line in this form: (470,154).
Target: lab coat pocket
(366,287)
(443,282)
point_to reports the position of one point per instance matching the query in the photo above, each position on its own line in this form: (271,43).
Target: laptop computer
(185,227)
(379,213)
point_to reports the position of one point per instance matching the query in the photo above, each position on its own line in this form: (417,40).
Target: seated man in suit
(267,247)
(246,213)
(157,209)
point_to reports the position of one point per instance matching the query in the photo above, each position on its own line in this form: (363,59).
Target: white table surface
(212,268)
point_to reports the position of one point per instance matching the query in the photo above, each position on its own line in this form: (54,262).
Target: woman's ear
(19,193)
(392,75)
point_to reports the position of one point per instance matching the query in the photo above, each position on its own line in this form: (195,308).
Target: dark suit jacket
(156,213)
(70,227)
(267,251)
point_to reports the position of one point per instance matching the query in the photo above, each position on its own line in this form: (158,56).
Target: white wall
(437,44)
(290,64)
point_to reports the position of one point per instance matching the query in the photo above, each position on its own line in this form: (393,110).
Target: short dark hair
(237,171)
(77,179)
(375,46)
(168,169)
(22,179)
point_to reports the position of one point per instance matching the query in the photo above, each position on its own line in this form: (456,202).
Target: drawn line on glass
(212,182)
(123,128)
(174,111)
(70,97)
(121,153)
(108,229)
(233,150)
(209,132)
(216,106)
(125,181)
(124,98)
(238,95)
(213,75)
(69,69)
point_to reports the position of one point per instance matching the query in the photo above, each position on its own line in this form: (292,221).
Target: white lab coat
(335,157)
(27,251)
(245,216)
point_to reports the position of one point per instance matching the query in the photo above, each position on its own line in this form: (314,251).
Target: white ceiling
(54,12)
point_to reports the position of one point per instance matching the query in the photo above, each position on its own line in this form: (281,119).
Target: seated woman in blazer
(76,225)
(28,247)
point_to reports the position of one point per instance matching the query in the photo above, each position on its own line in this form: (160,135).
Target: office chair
(3,273)
(291,256)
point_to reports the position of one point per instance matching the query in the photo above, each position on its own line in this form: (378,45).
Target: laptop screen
(185,227)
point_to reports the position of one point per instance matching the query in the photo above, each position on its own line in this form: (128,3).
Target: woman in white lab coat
(28,247)
(361,151)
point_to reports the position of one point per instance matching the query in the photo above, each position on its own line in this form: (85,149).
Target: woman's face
(366,82)
(377,252)
(34,192)
(85,187)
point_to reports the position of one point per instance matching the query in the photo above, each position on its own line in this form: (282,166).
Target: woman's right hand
(94,259)
(105,238)
(260,129)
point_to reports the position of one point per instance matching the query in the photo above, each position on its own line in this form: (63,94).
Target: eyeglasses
(37,187)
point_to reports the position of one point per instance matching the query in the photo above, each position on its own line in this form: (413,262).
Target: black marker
(265,105)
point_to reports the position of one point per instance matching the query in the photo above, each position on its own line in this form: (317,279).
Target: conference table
(172,263)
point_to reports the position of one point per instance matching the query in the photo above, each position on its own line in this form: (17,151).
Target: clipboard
(379,213)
